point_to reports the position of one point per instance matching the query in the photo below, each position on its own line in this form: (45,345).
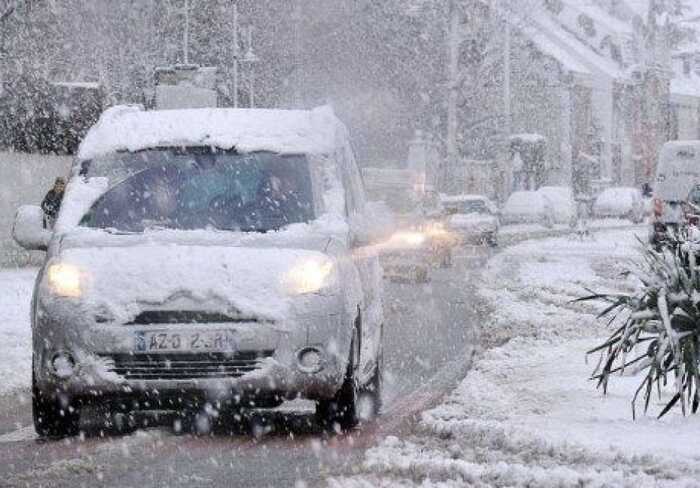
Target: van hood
(124,281)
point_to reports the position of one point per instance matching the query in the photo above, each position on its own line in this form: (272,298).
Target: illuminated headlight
(411,239)
(437,230)
(309,276)
(65,280)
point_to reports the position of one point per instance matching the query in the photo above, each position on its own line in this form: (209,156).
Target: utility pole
(453,42)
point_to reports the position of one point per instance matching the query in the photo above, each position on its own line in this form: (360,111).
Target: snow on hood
(247,130)
(124,280)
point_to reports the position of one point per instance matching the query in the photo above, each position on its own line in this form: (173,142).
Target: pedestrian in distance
(52,202)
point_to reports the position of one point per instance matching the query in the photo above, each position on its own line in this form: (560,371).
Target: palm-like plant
(660,331)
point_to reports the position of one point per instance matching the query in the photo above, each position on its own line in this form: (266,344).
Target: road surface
(429,332)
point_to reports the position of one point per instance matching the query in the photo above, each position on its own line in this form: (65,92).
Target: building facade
(602,82)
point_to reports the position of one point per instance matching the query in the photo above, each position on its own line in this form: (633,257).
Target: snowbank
(527,415)
(15,329)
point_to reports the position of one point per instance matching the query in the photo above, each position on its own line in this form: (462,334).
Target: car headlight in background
(436,230)
(409,239)
(65,280)
(309,276)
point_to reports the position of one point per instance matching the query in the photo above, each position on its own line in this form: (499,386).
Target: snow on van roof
(130,128)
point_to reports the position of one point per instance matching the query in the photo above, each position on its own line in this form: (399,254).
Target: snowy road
(428,335)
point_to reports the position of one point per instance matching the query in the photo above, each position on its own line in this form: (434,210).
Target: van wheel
(341,411)
(51,417)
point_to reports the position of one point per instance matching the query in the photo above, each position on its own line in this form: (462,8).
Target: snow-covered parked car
(562,201)
(206,259)
(528,207)
(620,202)
(471,218)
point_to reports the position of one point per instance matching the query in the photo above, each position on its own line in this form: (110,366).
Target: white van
(207,258)
(677,174)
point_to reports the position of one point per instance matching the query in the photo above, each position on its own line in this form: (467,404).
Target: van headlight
(309,276)
(65,280)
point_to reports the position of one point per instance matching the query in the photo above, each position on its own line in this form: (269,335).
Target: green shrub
(660,329)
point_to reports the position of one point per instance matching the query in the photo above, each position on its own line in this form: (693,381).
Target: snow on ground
(518,230)
(15,329)
(527,415)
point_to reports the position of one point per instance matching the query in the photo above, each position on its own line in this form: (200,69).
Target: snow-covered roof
(550,47)
(89,85)
(130,128)
(528,137)
(602,18)
(578,52)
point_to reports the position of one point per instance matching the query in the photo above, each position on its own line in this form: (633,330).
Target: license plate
(187,341)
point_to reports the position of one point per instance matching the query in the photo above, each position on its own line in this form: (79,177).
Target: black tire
(51,418)
(342,410)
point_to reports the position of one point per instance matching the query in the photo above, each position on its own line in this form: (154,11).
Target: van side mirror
(28,230)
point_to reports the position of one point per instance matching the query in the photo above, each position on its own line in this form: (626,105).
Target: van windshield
(195,188)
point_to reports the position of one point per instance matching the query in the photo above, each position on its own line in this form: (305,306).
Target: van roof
(130,128)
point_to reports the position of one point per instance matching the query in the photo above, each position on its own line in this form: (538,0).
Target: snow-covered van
(207,259)
(677,173)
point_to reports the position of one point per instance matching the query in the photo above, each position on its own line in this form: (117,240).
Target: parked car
(562,201)
(528,207)
(620,202)
(207,257)
(677,173)
(471,218)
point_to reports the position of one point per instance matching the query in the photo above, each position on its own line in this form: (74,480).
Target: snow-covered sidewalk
(15,329)
(527,415)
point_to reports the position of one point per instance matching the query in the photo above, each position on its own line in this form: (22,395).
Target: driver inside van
(278,200)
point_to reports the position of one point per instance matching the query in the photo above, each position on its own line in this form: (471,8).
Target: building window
(587,25)
(554,6)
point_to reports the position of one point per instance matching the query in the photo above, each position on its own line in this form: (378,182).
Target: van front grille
(159,317)
(185,366)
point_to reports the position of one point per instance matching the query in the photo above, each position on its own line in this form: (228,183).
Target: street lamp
(251,59)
